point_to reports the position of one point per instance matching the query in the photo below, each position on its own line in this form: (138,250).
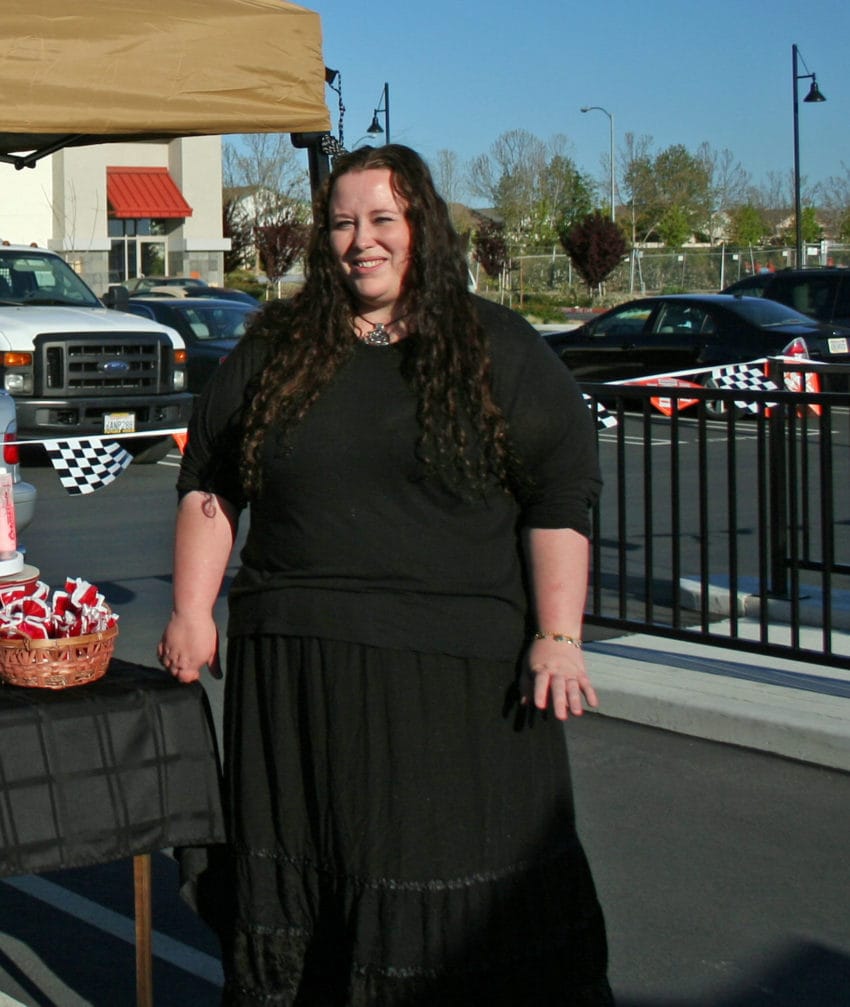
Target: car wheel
(718,409)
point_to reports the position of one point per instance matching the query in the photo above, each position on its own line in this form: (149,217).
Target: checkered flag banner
(746,377)
(604,419)
(87,465)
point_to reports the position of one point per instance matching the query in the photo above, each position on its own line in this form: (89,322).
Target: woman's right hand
(188,643)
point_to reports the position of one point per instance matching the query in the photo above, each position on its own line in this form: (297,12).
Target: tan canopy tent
(106,70)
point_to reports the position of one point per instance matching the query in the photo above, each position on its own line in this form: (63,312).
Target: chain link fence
(651,271)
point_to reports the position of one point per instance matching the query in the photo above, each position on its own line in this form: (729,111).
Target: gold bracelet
(573,641)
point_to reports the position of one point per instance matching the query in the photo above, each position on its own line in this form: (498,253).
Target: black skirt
(402,834)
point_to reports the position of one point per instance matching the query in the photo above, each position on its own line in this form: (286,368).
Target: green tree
(681,185)
(810,228)
(566,196)
(747,225)
(596,246)
(663,185)
(534,186)
(237,226)
(674,226)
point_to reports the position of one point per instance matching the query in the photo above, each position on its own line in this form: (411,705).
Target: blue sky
(462,72)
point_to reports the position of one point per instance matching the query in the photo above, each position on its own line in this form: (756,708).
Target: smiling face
(370,238)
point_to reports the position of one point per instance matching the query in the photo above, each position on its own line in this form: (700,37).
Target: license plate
(837,345)
(119,423)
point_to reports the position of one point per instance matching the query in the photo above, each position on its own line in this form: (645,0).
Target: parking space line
(657,442)
(182,956)
(31,965)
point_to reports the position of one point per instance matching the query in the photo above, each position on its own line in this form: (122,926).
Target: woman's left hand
(555,675)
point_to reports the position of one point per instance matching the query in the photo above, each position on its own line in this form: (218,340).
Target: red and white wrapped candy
(30,611)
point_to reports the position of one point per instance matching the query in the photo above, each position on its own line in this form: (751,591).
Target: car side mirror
(117,297)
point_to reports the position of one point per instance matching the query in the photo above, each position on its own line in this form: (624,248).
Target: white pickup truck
(78,368)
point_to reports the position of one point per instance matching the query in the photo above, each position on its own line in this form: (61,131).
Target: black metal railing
(726,521)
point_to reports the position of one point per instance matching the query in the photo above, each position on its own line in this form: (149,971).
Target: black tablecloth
(118,767)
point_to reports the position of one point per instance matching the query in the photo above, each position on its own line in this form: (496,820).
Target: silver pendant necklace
(379,334)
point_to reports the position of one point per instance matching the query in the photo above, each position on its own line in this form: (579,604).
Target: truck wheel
(148,450)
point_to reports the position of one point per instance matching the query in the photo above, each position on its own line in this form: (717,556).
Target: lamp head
(814,92)
(375,127)
(585,108)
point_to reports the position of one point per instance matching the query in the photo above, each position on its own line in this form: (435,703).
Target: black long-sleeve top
(351,539)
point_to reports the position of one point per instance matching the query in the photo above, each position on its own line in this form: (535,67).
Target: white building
(120,210)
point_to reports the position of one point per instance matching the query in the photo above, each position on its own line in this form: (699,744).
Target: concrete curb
(747,602)
(779,706)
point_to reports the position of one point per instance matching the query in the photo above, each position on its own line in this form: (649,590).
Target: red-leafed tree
(596,246)
(279,245)
(490,247)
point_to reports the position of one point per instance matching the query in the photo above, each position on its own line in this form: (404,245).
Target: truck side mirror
(117,297)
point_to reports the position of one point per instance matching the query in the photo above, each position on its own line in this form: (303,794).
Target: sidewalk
(784,707)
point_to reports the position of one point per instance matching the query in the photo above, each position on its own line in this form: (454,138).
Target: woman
(399,802)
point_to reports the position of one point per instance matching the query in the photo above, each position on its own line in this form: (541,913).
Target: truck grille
(91,363)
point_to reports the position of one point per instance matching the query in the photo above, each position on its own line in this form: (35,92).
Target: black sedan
(210,328)
(680,332)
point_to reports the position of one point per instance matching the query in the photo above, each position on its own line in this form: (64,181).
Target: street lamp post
(598,108)
(813,95)
(383,106)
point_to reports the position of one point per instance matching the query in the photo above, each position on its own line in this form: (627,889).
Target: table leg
(142,894)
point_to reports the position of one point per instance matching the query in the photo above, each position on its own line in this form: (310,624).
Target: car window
(32,279)
(812,296)
(682,319)
(761,311)
(752,286)
(842,300)
(224,322)
(196,323)
(626,321)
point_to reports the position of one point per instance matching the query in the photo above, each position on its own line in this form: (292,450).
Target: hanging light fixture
(814,95)
(383,106)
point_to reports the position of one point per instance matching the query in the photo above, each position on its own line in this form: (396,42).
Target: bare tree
(508,176)
(447,175)
(635,184)
(267,162)
(835,204)
(728,184)
(774,199)
(265,185)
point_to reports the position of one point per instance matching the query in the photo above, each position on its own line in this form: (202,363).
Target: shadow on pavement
(803,975)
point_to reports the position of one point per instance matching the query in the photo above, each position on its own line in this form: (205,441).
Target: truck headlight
(17,383)
(181,358)
(17,372)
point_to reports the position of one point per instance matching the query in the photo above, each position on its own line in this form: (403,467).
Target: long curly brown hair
(462,432)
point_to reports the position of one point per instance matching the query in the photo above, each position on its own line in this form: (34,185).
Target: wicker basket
(57,664)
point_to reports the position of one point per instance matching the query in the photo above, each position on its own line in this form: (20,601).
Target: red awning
(144,192)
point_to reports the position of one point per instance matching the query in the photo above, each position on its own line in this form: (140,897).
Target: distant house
(120,210)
